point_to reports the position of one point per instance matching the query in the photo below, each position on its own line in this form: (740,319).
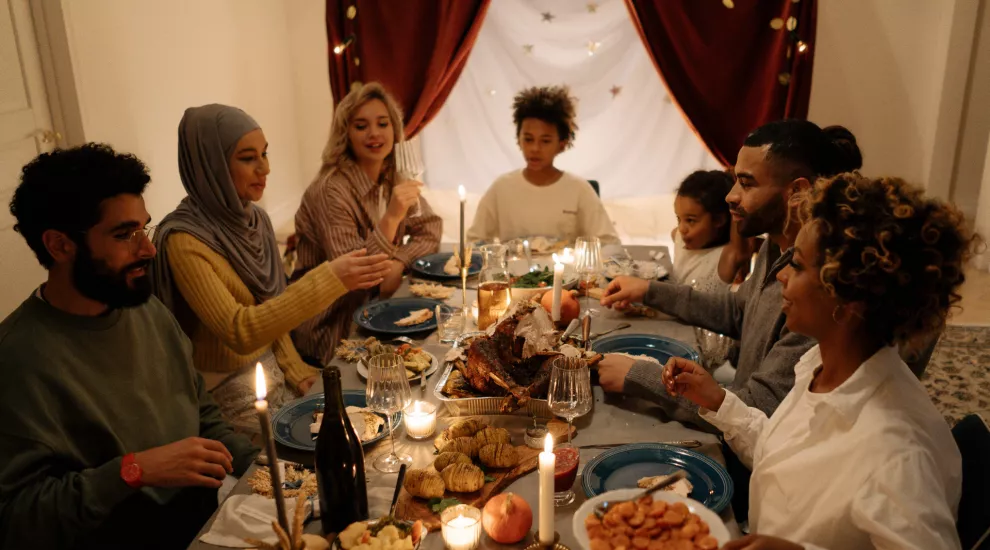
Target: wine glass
(588,262)
(388,393)
(569,397)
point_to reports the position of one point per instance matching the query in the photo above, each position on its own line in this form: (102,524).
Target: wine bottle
(339,462)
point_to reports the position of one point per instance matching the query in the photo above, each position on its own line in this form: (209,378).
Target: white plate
(362,369)
(715,525)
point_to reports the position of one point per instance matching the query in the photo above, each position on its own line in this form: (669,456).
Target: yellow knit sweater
(228,328)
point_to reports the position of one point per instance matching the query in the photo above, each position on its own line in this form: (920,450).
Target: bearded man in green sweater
(108,438)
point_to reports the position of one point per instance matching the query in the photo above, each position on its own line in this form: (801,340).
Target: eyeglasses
(134,237)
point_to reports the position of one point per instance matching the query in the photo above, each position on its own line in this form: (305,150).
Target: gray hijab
(212,211)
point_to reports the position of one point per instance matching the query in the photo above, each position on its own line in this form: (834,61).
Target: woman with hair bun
(856,456)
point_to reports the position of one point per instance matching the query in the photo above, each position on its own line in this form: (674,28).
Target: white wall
(975,133)
(139,64)
(879,70)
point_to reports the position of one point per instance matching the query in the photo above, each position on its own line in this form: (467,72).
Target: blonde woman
(359,201)
(218,267)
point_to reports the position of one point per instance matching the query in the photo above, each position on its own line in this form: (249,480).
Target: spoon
(602,508)
(398,487)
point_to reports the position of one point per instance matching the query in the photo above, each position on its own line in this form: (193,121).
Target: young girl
(702,228)
(540,199)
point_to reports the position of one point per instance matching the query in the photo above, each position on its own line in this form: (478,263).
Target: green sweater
(78,393)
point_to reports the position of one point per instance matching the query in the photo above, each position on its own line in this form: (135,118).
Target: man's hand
(191,462)
(612,371)
(623,291)
(392,280)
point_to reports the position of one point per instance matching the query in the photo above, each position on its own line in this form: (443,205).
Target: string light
(802,46)
(339,48)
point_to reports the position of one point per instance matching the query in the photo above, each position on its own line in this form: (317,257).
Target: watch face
(131,473)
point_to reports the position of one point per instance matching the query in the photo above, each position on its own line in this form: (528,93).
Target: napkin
(248,516)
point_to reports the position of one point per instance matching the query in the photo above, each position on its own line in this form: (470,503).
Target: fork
(602,507)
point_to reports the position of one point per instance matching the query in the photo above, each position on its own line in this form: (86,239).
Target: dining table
(614,419)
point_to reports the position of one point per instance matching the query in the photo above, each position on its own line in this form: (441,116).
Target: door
(25,131)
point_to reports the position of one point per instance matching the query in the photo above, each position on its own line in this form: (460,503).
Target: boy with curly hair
(541,199)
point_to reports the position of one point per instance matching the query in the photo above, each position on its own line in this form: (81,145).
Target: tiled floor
(975,300)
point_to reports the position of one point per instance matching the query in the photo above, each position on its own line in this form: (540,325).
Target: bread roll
(463,478)
(498,455)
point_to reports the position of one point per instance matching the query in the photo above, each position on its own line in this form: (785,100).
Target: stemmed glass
(388,393)
(588,262)
(569,396)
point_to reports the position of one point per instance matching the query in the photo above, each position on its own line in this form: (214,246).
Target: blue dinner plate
(432,265)
(381,316)
(290,425)
(657,347)
(622,467)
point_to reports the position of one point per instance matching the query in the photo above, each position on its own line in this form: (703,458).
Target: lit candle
(261,390)
(567,258)
(558,286)
(461,527)
(462,193)
(421,420)
(474,311)
(529,256)
(547,464)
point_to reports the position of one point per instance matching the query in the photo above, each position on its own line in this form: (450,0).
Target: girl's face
(540,143)
(698,228)
(249,166)
(370,132)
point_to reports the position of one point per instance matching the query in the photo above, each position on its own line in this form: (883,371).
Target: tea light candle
(548,462)
(421,419)
(461,527)
(474,311)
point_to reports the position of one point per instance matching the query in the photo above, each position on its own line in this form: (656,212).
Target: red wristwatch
(130,472)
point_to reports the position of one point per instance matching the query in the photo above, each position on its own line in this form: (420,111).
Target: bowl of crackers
(660,521)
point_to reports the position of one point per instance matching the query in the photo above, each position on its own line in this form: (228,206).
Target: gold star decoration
(548,17)
(592,7)
(729,4)
(615,91)
(593,47)
(776,23)
(528,49)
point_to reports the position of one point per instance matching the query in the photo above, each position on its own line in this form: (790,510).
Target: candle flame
(526,244)
(259,383)
(461,192)
(418,407)
(556,259)
(548,444)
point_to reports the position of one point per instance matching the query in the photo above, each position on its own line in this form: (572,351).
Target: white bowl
(715,526)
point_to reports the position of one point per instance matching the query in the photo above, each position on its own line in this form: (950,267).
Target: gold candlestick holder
(555,545)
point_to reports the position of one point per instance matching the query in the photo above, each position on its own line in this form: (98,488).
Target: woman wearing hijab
(220,272)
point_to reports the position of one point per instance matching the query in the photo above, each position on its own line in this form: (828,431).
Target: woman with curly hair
(856,456)
(541,199)
(360,201)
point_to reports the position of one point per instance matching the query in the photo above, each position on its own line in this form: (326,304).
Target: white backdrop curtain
(635,143)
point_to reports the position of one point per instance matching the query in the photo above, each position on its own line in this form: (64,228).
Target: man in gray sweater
(109,438)
(776,161)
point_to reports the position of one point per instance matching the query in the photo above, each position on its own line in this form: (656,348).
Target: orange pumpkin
(507,518)
(570,308)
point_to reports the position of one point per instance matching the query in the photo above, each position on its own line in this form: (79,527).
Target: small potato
(424,484)
(592,521)
(463,478)
(640,543)
(657,545)
(465,445)
(680,544)
(446,459)
(671,519)
(658,509)
(707,542)
(637,520)
(620,541)
(600,544)
(645,501)
(491,435)
(688,531)
(498,455)
(682,508)
(612,519)
(625,509)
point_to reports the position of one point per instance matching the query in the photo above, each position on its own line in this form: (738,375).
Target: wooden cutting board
(411,508)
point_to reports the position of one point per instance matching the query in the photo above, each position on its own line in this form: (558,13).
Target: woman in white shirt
(541,199)
(856,456)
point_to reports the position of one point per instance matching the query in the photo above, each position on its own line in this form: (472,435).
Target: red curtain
(728,68)
(415,48)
